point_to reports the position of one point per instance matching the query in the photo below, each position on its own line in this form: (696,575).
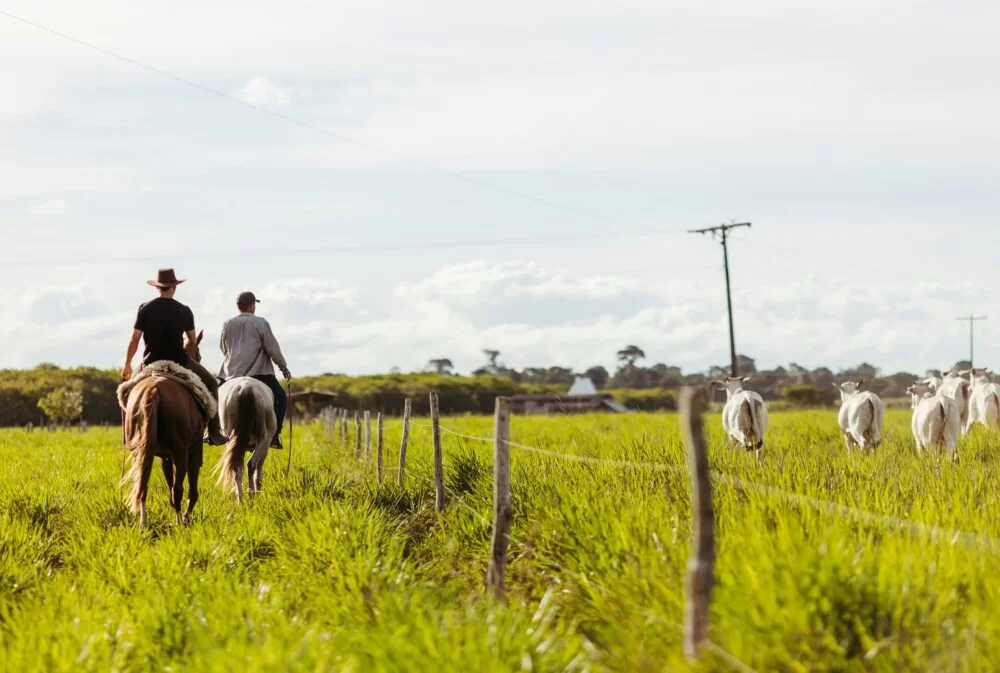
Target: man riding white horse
(250,348)
(166,326)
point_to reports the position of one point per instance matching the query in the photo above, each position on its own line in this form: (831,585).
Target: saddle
(171,370)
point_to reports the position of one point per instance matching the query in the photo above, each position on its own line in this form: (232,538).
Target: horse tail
(239,442)
(142,444)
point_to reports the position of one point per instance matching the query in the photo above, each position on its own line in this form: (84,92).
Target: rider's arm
(272,348)
(133,346)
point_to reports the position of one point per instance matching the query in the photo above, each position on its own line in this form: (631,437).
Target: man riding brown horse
(166,326)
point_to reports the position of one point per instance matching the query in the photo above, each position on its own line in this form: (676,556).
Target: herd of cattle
(943,408)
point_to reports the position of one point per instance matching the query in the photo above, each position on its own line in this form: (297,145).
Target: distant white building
(581,398)
(582,386)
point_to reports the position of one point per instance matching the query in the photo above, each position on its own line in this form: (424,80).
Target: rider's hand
(127,372)
(287,374)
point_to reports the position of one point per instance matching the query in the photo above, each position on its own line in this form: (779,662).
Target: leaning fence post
(438,459)
(357,435)
(502,513)
(407,408)
(343,425)
(701,565)
(368,434)
(378,455)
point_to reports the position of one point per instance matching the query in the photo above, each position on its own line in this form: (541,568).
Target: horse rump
(246,428)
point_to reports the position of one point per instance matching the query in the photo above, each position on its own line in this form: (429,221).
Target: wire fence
(954,537)
(950,536)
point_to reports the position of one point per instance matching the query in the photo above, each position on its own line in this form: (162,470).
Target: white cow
(936,419)
(744,417)
(862,416)
(954,386)
(984,404)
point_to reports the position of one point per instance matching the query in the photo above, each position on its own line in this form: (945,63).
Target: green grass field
(328,571)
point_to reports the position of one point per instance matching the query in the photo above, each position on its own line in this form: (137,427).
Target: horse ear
(201,335)
(861,382)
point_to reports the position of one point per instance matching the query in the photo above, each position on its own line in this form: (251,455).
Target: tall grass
(329,571)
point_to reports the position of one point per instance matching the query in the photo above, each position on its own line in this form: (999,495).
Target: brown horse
(162,418)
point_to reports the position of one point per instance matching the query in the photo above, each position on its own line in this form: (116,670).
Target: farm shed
(582,398)
(311,402)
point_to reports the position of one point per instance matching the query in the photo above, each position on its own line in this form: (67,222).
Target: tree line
(49,393)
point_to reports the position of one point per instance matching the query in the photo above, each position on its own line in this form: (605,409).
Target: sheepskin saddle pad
(173,371)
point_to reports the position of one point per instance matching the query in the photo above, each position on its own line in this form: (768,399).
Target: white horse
(246,413)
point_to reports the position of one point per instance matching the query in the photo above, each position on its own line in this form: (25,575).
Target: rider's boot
(214,437)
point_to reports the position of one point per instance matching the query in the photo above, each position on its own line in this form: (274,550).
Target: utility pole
(972,319)
(722,231)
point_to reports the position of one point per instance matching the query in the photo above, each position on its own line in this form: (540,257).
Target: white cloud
(51,207)
(670,113)
(489,292)
(460,309)
(68,325)
(262,91)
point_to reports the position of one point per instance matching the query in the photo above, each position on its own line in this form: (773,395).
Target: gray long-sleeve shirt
(249,347)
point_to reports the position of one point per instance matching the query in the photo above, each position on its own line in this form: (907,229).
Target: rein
(291,413)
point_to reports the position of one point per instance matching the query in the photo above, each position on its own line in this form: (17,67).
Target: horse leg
(196,457)
(144,481)
(168,474)
(251,476)
(177,492)
(167,465)
(238,475)
(193,493)
(256,465)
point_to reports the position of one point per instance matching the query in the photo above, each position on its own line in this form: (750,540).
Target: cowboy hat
(165,278)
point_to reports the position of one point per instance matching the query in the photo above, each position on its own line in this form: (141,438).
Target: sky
(400,181)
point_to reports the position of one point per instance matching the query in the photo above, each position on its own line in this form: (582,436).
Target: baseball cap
(247,298)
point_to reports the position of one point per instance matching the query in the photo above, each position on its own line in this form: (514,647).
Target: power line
(298,122)
(364,248)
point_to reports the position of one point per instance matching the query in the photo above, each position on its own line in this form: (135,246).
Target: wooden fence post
(407,408)
(378,456)
(343,425)
(368,434)
(701,565)
(357,435)
(502,513)
(438,458)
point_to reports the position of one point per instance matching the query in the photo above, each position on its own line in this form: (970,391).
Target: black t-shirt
(163,323)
